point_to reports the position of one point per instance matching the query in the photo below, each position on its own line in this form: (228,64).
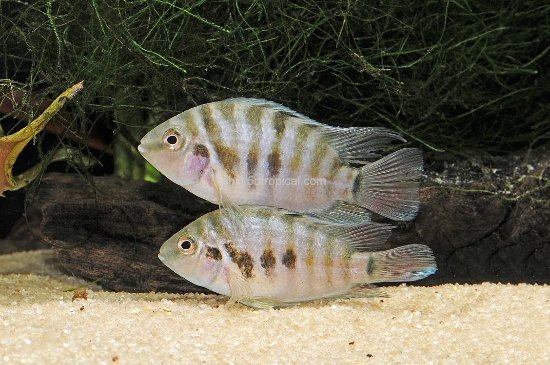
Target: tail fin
(406,263)
(389,186)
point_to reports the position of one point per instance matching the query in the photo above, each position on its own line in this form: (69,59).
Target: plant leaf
(12,145)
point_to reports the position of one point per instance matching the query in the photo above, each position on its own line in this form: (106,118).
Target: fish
(243,151)
(269,257)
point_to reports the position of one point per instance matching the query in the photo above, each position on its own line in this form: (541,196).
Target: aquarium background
(451,76)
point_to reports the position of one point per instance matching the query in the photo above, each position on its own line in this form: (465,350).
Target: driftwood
(110,229)
(491,224)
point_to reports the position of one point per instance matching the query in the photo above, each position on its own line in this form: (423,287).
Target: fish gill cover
(446,74)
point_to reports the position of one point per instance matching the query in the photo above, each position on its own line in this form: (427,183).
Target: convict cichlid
(270,257)
(256,152)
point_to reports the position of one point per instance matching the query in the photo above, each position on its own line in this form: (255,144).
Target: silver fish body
(267,256)
(256,152)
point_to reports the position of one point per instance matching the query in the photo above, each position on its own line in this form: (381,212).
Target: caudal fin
(406,263)
(390,185)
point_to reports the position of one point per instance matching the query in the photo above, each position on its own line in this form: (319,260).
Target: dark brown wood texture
(110,229)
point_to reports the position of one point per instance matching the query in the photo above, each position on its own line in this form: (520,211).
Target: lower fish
(269,257)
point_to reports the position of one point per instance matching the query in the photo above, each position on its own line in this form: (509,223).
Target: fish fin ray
(264,303)
(262,103)
(367,236)
(341,212)
(390,185)
(352,223)
(353,144)
(360,291)
(405,263)
(238,218)
(357,291)
(240,288)
(346,221)
(359,144)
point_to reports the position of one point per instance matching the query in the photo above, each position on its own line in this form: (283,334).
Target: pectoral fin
(240,289)
(238,217)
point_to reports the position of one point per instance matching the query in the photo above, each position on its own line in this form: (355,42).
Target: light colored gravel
(447,324)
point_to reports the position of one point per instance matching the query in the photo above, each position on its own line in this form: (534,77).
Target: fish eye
(172,139)
(186,245)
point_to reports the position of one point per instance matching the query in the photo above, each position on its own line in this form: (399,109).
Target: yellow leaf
(12,145)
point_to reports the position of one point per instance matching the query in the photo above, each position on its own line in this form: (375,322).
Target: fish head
(191,258)
(173,151)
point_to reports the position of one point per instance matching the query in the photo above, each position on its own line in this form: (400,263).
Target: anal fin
(265,303)
(360,291)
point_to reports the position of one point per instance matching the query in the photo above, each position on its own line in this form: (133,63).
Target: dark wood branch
(110,229)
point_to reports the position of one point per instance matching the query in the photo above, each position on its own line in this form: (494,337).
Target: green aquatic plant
(449,75)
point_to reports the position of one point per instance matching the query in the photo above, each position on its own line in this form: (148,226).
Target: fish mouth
(142,149)
(161,257)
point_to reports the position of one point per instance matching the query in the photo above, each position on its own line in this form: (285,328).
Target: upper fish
(270,257)
(256,152)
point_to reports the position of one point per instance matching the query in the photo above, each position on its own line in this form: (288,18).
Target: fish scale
(289,241)
(266,256)
(276,147)
(256,152)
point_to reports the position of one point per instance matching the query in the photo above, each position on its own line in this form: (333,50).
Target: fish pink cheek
(194,166)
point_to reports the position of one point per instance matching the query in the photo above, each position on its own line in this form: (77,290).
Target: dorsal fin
(262,103)
(341,212)
(367,236)
(348,225)
(353,144)
(360,144)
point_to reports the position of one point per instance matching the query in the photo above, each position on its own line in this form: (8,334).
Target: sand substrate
(40,323)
